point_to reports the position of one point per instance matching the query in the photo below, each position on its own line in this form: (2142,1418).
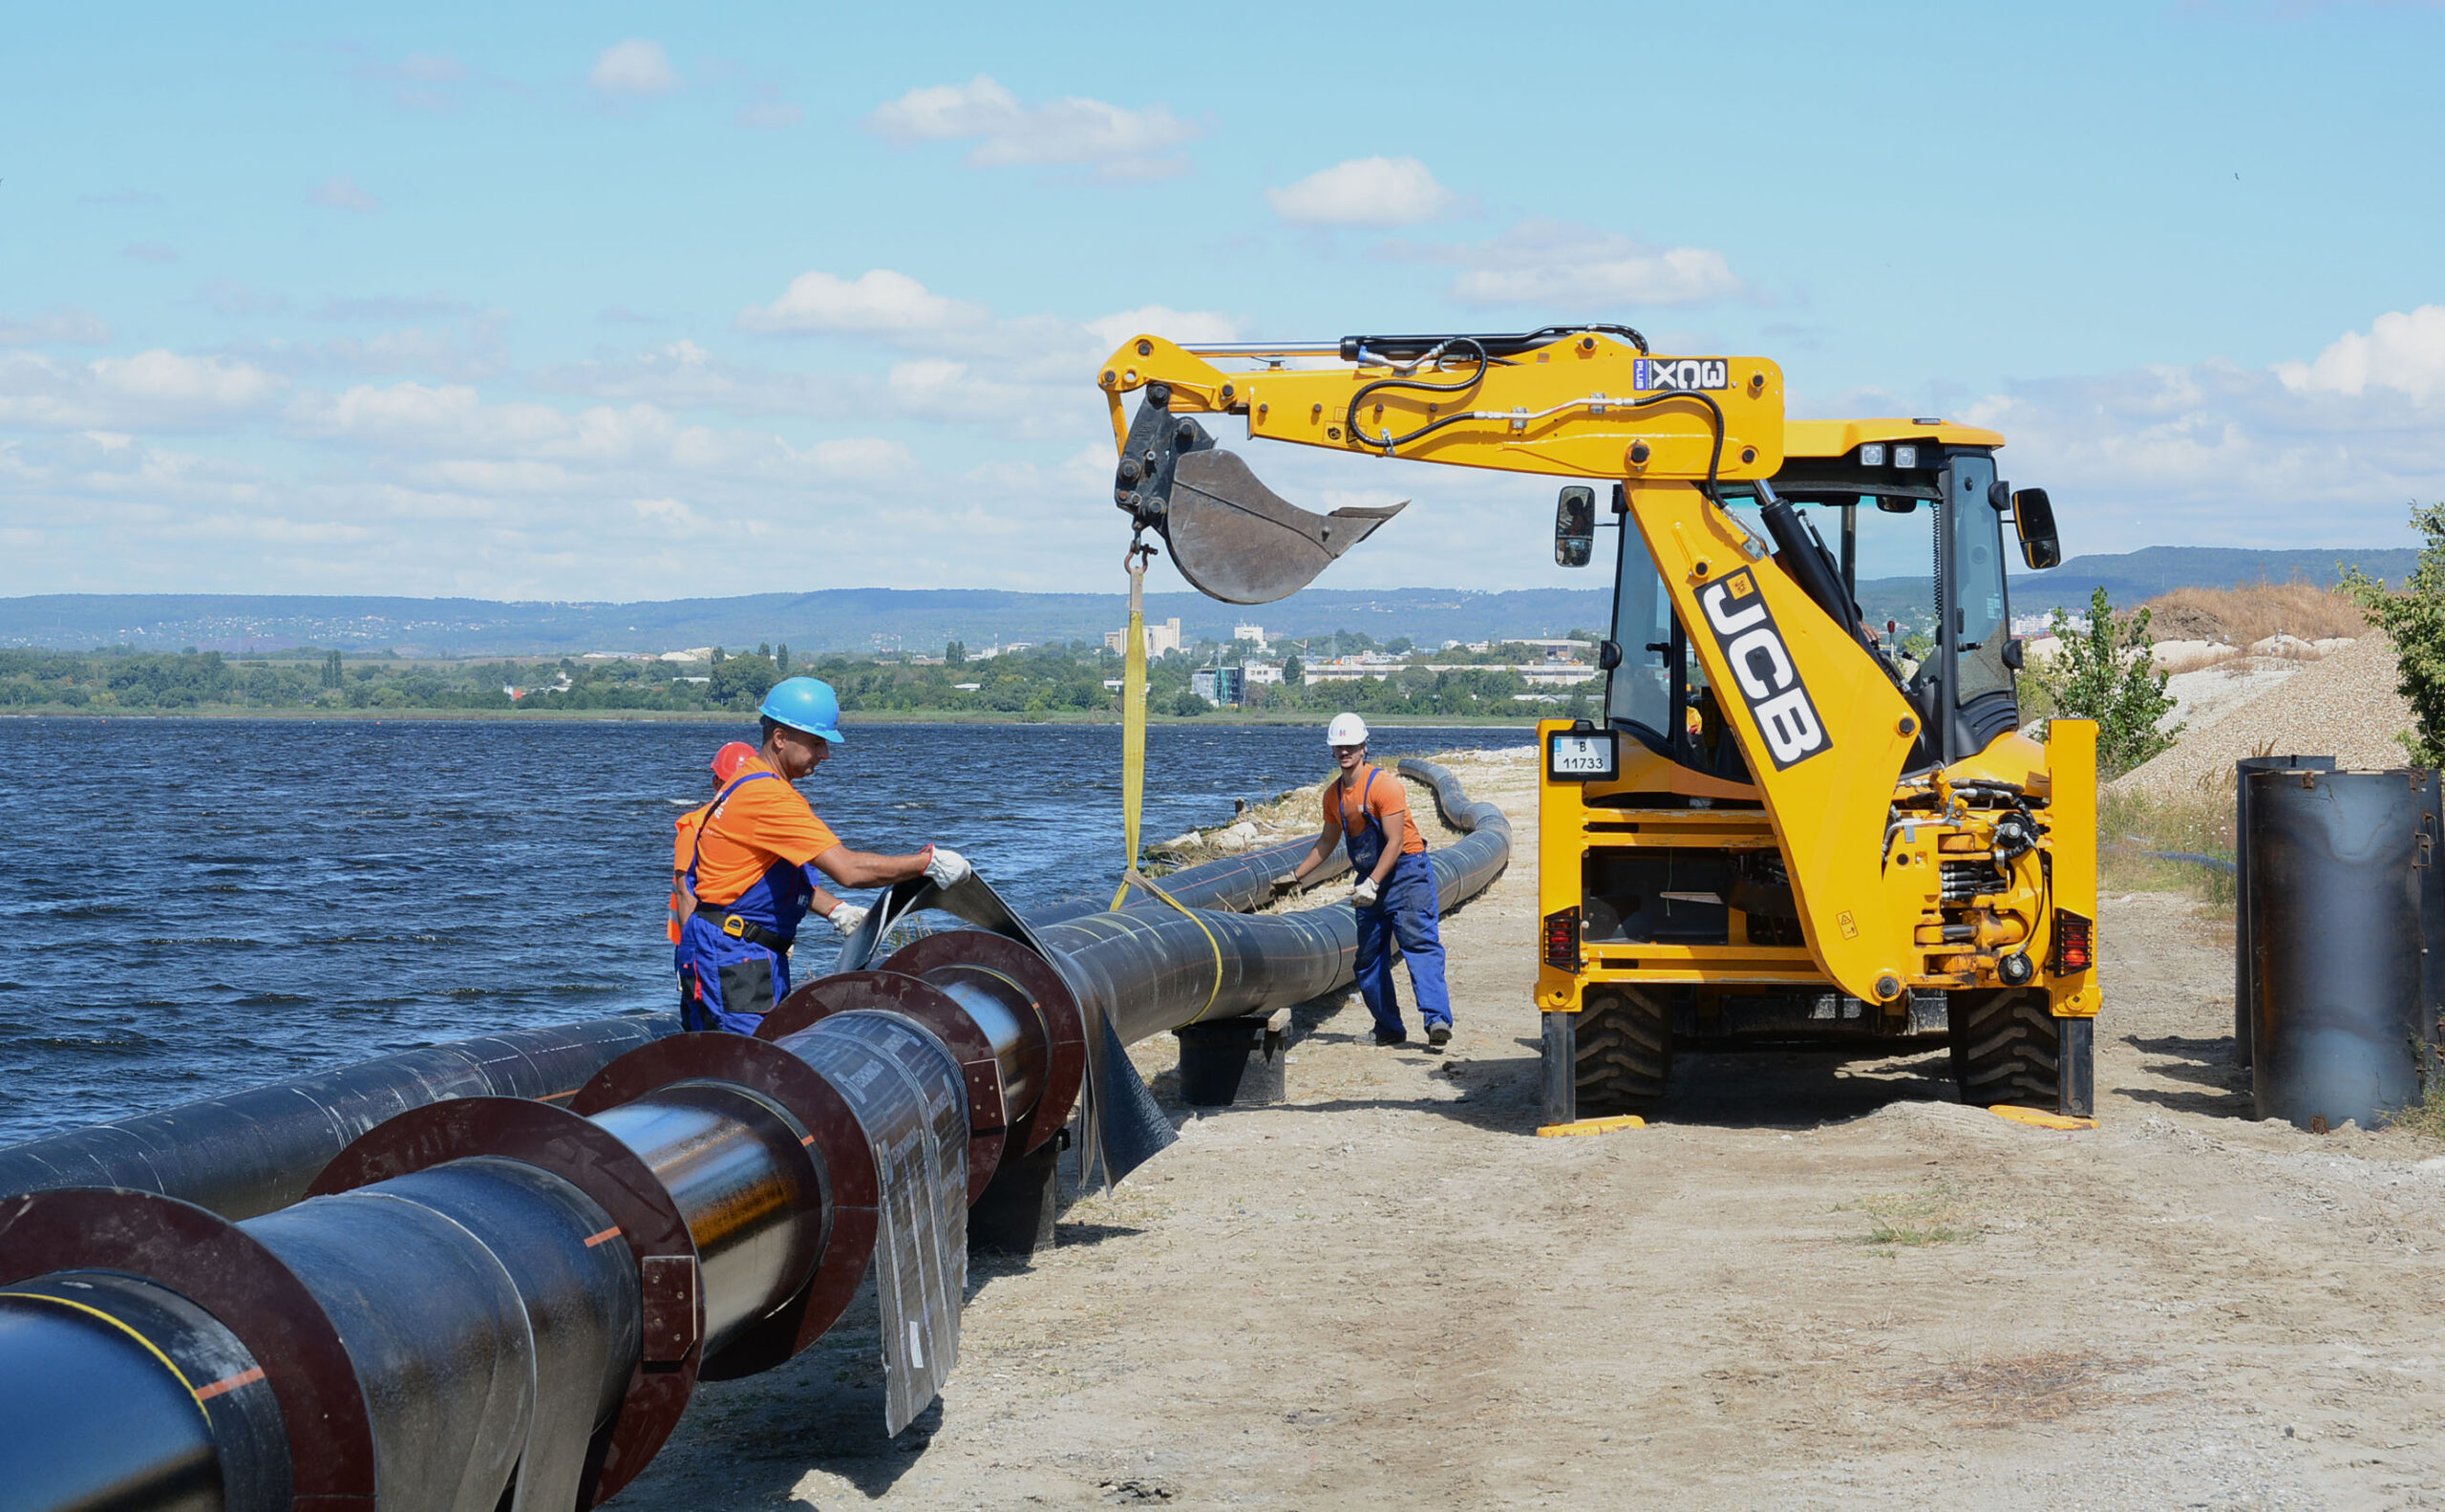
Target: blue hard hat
(805,703)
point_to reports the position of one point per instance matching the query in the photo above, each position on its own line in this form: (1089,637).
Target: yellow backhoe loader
(1792,825)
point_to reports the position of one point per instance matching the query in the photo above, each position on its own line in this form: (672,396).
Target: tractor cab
(1908,518)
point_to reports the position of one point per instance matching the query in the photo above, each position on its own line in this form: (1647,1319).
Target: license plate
(1583,757)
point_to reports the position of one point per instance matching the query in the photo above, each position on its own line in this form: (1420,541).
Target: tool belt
(739,928)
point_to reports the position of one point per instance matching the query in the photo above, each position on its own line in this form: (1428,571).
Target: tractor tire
(1624,1043)
(2005,1048)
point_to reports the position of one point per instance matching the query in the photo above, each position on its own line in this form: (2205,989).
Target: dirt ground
(1811,1282)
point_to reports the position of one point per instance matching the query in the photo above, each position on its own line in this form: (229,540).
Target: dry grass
(1934,1215)
(2425,1117)
(2142,841)
(2242,616)
(2039,1388)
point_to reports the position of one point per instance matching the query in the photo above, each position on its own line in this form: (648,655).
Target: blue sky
(644,302)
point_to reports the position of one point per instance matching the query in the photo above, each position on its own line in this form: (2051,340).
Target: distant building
(1557,649)
(1218,685)
(1536,674)
(1159,638)
(1262,674)
(1253,634)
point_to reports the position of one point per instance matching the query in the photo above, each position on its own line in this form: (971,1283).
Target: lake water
(194,906)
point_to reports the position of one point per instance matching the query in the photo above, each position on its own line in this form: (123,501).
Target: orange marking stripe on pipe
(809,1139)
(612,1232)
(554,1096)
(230,1383)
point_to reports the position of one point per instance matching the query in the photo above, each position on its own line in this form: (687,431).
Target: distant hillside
(898,619)
(831,620)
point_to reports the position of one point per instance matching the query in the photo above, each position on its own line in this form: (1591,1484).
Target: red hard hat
(730,758)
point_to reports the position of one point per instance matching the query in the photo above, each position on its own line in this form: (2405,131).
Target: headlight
(1905,456)
(1872,454)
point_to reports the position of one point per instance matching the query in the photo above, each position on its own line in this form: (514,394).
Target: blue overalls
(734,957)
(1404,912)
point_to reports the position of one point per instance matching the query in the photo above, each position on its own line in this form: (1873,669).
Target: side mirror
(2013,655)
(2033,516)
(1575,526)
(1608,655)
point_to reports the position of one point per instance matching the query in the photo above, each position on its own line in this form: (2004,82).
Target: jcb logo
(1761,665)
(1683,373)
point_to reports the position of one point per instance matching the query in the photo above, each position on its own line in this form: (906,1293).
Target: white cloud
(1555,263)
(636,69)
(1376,193)
(343,194)
(1122,143)
(152,390)
(2401,351)
(879,300)
(58,323)
(2306,453)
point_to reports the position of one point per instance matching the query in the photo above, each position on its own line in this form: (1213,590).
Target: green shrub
(2105,673)
(2414,621)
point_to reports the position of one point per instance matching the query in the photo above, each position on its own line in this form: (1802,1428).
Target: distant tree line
(1043,680)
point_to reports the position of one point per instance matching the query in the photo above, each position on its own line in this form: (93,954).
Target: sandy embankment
(1388,1292)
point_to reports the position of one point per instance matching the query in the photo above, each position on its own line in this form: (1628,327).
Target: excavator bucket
(1232,537)
(1240,542)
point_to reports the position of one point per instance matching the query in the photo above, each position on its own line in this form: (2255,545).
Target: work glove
(1364,894)
(1284,882)
(944,867)
(846,919)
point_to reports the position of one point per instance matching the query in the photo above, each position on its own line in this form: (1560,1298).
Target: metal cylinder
(169,1435)
(737,1168)
(255,1151)
(437,1332)
(1016,1034)
(2243,994)
(2336,940)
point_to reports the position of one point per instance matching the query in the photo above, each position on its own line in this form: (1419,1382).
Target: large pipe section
(253,1152)
(488,1301)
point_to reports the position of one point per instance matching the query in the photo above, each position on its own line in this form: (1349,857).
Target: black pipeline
(253,1152)
(491,1301)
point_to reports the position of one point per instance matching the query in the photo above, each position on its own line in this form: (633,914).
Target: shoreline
(931,716)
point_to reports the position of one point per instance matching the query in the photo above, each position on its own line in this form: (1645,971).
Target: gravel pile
(2344,706)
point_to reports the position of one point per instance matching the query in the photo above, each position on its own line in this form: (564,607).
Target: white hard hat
(1346,729)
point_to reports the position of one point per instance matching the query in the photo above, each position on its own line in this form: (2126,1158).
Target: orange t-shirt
(681,849)
(1387,800)
(763,822)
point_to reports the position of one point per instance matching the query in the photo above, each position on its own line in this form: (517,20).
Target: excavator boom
(1583,402)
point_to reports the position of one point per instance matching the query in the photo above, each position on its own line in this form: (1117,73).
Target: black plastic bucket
(2242,994)
(2339,863)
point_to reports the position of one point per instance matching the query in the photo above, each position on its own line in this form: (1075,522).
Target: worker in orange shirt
(1396,898)
(843,917)
(750,875)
